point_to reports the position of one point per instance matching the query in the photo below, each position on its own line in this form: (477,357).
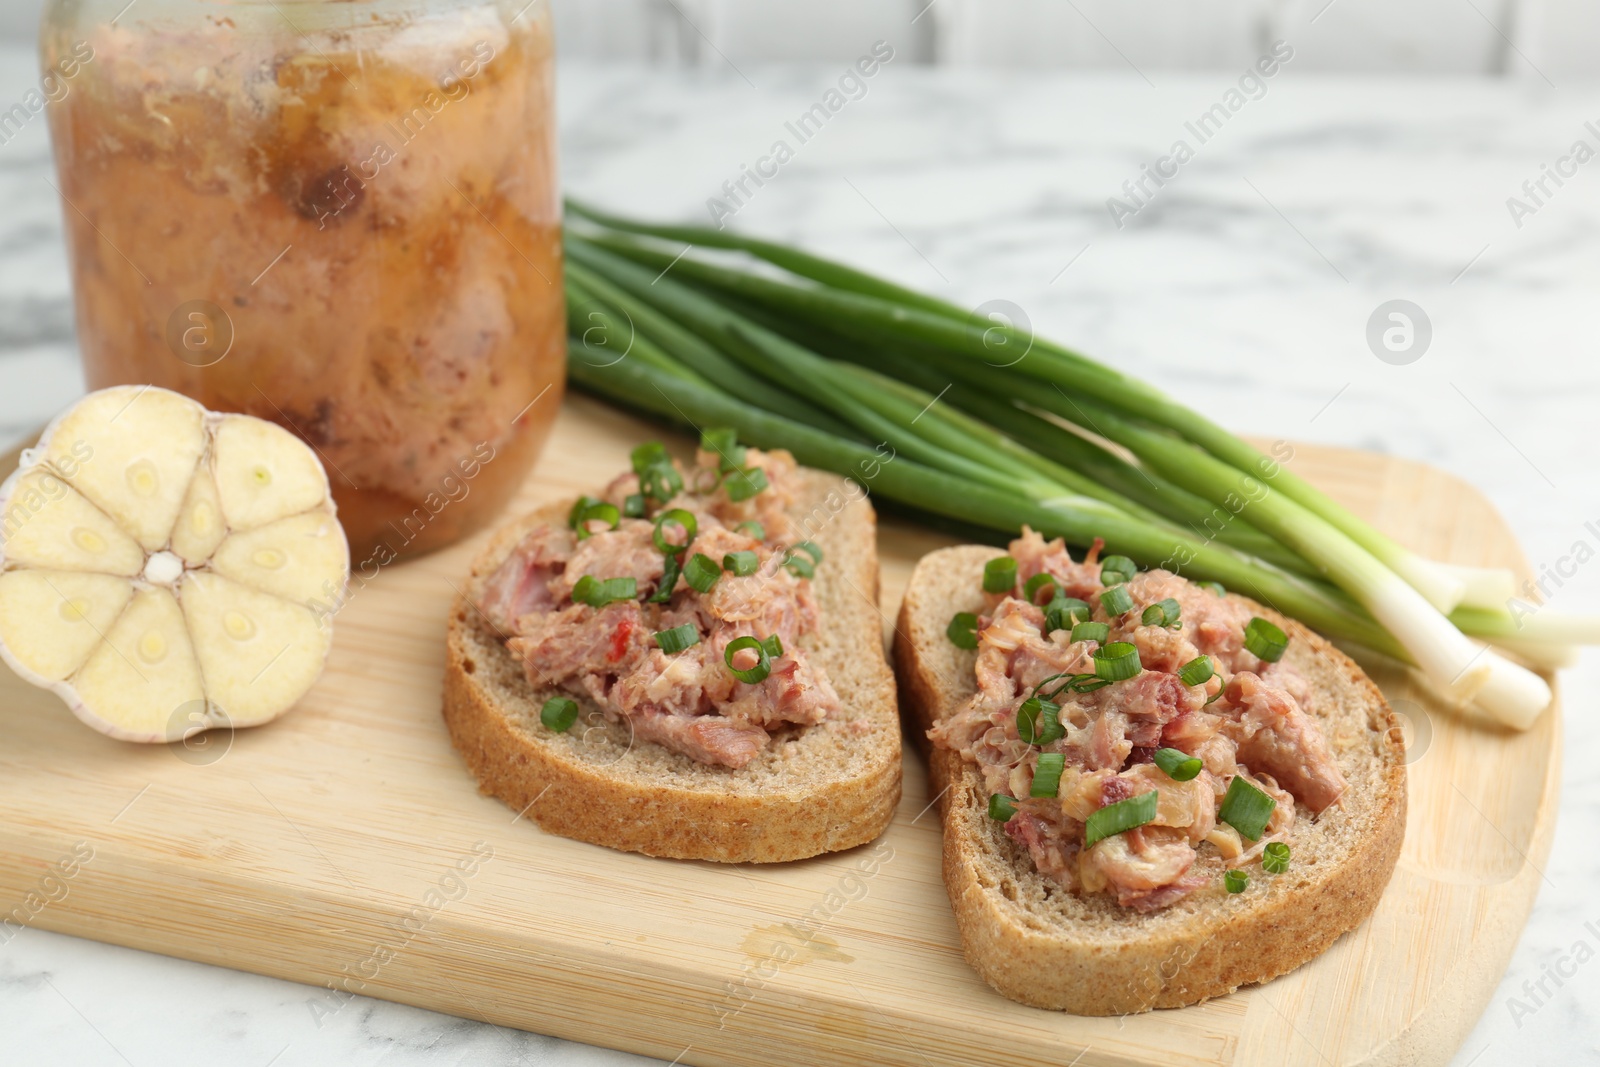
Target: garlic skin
(156,558)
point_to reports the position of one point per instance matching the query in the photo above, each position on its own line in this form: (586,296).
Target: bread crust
(1041,945)
(829,787)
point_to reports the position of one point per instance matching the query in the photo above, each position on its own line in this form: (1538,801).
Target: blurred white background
(1551,40)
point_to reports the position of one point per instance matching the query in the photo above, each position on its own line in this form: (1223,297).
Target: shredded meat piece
(626,552)
(1275,736)
(521,584)
(1246,721)
(688,701)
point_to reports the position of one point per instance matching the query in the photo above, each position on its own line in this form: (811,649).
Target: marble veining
(1245,284)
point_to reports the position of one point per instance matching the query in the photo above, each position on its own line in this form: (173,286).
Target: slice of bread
(815,789)
(1041,944)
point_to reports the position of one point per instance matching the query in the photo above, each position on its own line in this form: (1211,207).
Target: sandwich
(1153,791)
(688,665)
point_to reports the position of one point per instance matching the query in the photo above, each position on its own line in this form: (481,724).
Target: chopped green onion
(1036,583)
(725,443)
(753,529)
(1000,575)
(1236,880)
(741,564)
(701,572)
(1275,859)
(599,509)
(799,566)
(597,594)
(1161,613)
(1216,587)
(774,646)
(809,548)
(1116,818)
(1117,661)
(1264,640)
(558,714)
(1039,721)
(578,507)
(963,630)
(744,483)
(1116,600)
(633,506)
(1047,776)
(1115,570)
(1001,807)
(1091,631)
(680,517)
(755,674)
(669,581)
(1178,765)
(678,638)
(661,481)
(647,455)
(1197,671)
(1246,808)
(1064,611)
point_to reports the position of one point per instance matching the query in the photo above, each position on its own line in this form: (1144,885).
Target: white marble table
(1246,284)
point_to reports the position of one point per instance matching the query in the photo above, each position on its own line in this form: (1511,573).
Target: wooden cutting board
(346,847)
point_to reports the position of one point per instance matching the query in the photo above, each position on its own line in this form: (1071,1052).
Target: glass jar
(340,215)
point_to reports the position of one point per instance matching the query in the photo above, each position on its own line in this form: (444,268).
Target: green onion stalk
(827,370)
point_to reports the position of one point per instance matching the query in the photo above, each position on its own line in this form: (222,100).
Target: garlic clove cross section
(156,558)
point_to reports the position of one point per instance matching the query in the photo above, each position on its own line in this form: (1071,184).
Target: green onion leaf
(661,481)
(633,506)
(1114,570)
(558,714)
(725,443)
(1124,815)
(741,564)
(753,529)
(1236,880)
(809,548)
(678,517)
(1064,611)
(774,646)
(1197,671)
(649,455)
(1264,640)
(1000,575)
(701,572)
(963,630)
(1178,765)
(1275,858)
(578,507)
(1216,587)
(1091,631)
(669,582)
(1039,721)
(799,566)
(755,674)
(597,594)
(1047,776)
(1246,808)
(678,638)
(1117,661)
(599,509)
(745,483)
(1001,807)
(1116,600)
(1036,583)
(1162,613)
